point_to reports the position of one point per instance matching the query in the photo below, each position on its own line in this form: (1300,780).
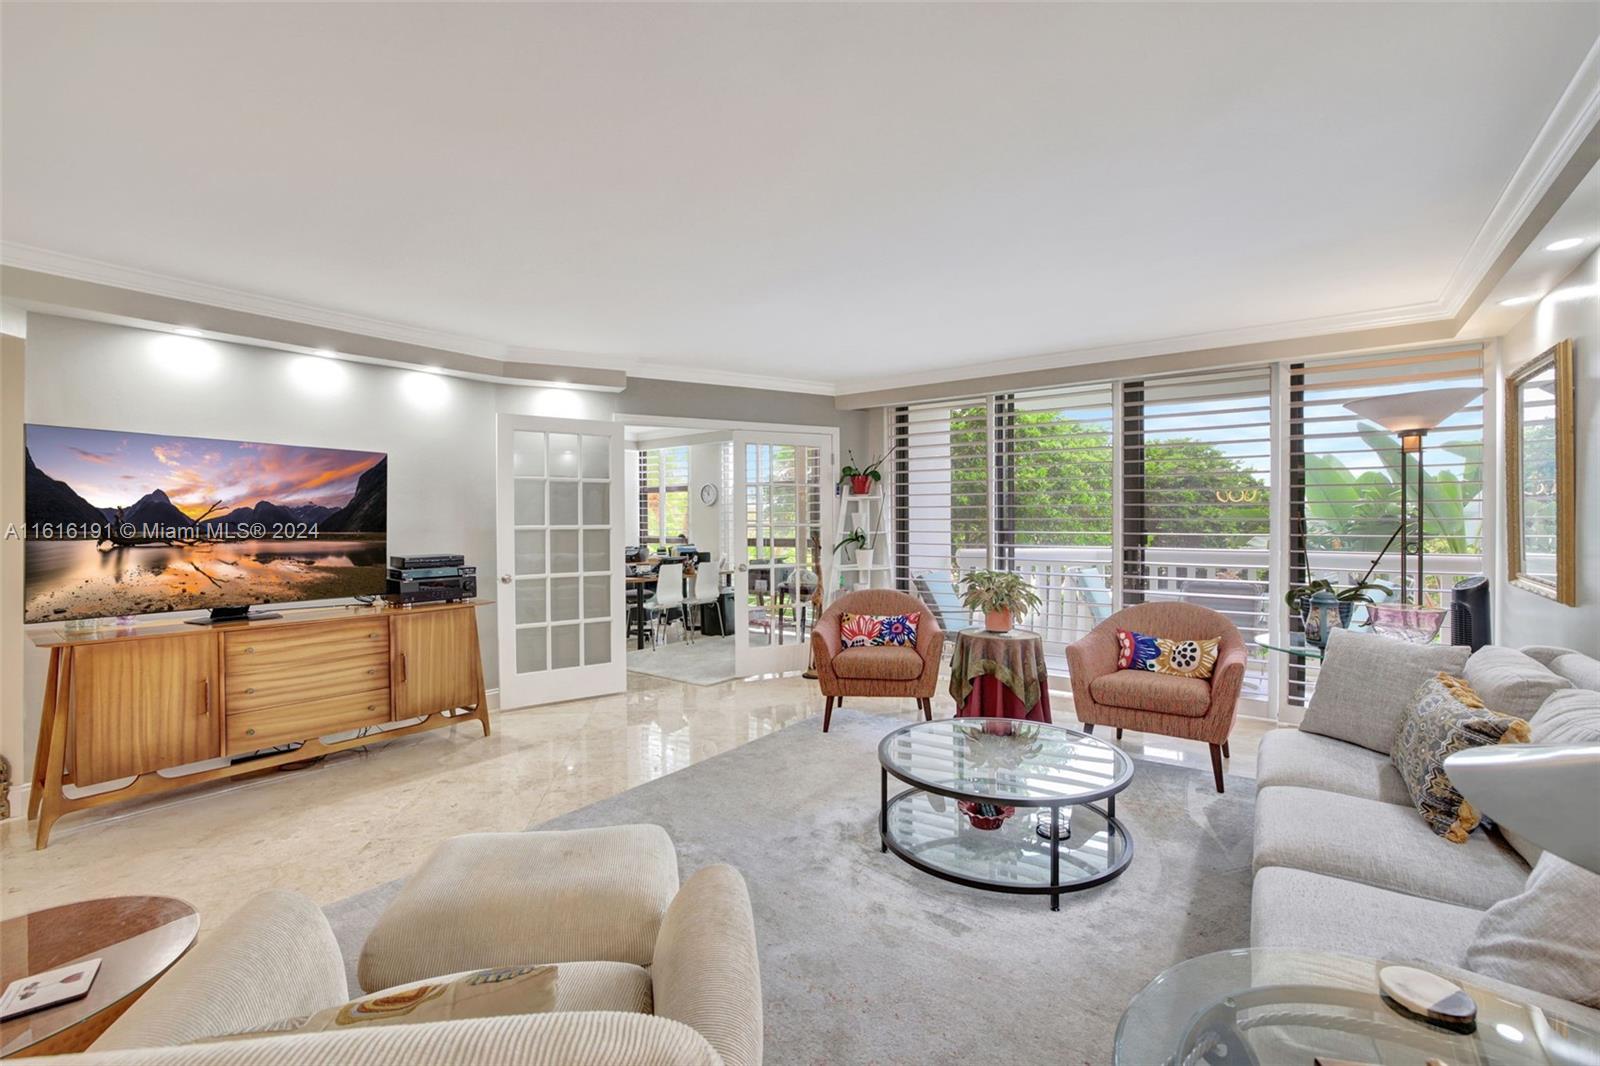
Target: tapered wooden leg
(1119,732)
(1226,754)
(1088,727)
(926,703)
(827,714)
(56,757)
(47,721)
(1216,765)
(481,711)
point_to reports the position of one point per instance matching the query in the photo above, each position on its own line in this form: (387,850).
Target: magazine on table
(48,989)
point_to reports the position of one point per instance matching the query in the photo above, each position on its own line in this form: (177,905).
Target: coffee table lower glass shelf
(1005,806)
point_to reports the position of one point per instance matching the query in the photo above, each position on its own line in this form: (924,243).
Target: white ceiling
(827,196)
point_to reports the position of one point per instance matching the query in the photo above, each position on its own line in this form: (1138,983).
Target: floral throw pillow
(1448,717)
(1181,658)
(875,630)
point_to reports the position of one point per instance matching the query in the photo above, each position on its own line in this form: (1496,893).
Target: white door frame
(550,685)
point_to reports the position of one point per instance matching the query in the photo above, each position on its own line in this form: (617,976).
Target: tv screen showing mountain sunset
(135,523)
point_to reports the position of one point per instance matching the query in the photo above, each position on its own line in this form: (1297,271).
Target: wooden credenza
(132,701)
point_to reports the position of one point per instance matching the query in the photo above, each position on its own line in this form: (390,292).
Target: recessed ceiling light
(187,331)
(1563,244)
(326,353)
(1518,301)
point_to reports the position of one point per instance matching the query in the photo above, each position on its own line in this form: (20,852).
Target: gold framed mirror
(1541,476)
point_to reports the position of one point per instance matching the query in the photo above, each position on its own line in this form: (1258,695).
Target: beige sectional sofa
(1344,863)
(638,984)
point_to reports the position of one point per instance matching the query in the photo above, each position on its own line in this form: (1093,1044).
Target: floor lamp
(1409,416)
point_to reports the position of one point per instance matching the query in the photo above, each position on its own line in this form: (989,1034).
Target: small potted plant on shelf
(858,539)
(1324,606)
(861,478)
(1000,595)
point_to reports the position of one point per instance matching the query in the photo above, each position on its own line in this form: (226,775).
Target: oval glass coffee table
(1005,805)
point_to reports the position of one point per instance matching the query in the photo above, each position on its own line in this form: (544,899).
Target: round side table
(136,939)
(1000,675)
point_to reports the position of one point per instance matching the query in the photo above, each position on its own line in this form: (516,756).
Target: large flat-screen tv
(137,523)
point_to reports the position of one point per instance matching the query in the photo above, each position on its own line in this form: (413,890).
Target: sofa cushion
(603,986)
(1546,938)
(1510,682)
(503,899)
(1449,717)
(1580,669)
(706,971)
(1380,844)
(883,663)
(1571,716)
(1144,691)
(1305,911)
(1368,684)
(1295,757)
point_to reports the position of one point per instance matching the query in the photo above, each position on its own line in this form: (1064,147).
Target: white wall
(705,522)
(1570,311)
(439,432)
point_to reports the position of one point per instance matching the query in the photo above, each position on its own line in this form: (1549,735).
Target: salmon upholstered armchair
(1185,707)
(879,671)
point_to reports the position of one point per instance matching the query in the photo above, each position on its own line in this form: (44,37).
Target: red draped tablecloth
(1000,675)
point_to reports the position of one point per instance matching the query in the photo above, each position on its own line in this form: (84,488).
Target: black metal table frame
(1055,888)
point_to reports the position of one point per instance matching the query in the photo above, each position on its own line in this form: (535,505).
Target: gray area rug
(866,960)
(707,661)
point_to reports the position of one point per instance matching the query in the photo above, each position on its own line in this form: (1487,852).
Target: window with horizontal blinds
(941,499)
(1197,468)
(1344,488)
(663,494)
(1054,463)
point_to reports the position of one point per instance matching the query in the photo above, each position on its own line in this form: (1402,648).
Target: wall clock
(708,495)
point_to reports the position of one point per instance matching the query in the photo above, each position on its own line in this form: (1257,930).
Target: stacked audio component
(430,579)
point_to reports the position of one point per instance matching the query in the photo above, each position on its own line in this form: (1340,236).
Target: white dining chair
(707,590)
(668,597)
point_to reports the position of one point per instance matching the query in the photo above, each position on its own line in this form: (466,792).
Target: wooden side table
(1000,675)
(137,939)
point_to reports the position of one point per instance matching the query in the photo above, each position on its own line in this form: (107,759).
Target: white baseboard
(19,800)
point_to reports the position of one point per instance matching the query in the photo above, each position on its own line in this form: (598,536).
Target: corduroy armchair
(882,671)
(1184,707)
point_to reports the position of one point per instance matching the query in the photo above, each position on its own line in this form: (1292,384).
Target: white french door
(782,492)
(559,543)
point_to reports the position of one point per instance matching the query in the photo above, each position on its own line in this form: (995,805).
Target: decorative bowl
(1409,622)
(985,815)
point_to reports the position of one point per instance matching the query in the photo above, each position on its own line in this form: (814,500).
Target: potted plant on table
(861,478)
(1000,595)
(1323,606)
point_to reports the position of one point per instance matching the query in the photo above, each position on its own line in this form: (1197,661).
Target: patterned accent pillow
(1448,717)
(875,630)
(475,994)
(1181,658)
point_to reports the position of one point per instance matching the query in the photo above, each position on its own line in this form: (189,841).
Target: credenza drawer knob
(370,671)
(249,692)
(249,732)
(372,636)
(372,706)
(250,650)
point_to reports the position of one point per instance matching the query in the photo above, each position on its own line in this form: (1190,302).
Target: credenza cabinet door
(142,705)
(435,662)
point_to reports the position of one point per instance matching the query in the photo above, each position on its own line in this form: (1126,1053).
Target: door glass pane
(596,597)
(530,551)
(530,600)
(563,503)
(530,501)
(563,551)
(563,599)
(563,455)
(596,643)
(597,504)
(596,550)
(531,650)
(783,507)
(563,647)
(596,456)
(527,455)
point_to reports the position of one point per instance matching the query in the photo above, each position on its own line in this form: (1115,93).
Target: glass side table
(1253,1007)
(1295,645)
